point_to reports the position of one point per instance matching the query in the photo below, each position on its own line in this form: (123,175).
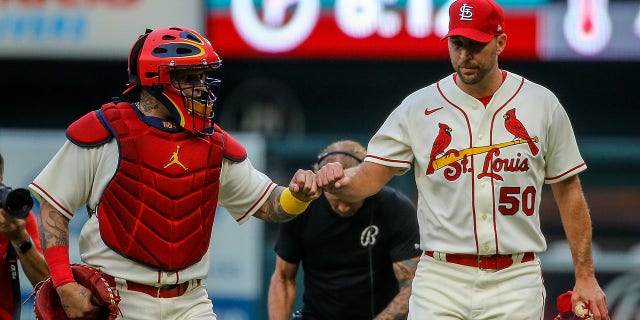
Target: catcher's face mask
(194,87)
(174,65)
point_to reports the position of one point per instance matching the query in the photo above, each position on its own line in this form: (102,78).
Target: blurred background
(299,74)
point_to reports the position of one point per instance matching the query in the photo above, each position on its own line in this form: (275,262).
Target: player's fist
(331,177)
(303,185)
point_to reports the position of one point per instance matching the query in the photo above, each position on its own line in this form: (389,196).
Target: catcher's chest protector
(159,207)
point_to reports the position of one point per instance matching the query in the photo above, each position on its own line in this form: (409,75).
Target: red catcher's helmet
(155,59)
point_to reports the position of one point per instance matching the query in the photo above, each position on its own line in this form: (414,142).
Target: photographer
(18,242)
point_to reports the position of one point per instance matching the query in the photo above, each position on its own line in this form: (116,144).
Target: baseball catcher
(104,294)
(153,167)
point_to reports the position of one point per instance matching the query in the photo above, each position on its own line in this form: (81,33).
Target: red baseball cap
(478,20)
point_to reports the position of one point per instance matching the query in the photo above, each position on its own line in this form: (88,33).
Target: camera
(17,202)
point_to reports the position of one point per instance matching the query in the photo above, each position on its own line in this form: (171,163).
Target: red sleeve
(32,230)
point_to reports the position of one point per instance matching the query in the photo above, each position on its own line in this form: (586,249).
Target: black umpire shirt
(335,253)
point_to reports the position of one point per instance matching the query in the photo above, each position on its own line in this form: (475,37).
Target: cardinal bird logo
(439,145)
(515,127)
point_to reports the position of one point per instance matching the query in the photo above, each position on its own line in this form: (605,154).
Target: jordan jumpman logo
(174,160)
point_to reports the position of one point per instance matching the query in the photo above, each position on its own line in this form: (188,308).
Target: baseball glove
(47,305)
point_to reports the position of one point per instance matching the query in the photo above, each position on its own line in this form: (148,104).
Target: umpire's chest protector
(160,205)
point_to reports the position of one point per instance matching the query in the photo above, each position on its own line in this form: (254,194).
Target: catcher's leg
(194,305)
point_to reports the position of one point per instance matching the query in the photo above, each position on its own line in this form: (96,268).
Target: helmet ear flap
(133,57)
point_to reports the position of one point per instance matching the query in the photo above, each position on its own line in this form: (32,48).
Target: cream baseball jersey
(480,170)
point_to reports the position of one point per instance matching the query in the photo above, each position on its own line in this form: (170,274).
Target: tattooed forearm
(53,227)
(398,308)
(56,233)
(271,210)
(405,270)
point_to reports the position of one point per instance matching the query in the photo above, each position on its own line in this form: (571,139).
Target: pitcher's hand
(332,177)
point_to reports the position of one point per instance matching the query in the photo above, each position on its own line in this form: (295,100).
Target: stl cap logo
(174,160)
(465,13)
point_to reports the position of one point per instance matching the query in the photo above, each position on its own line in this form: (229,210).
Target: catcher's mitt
(47,304)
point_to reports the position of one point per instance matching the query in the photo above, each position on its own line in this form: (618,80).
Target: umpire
(358,258)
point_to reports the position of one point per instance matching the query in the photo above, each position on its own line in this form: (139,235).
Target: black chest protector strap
(12,258)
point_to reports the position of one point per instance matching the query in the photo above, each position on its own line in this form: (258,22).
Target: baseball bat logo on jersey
(457,161)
